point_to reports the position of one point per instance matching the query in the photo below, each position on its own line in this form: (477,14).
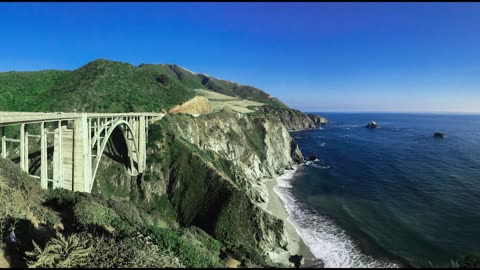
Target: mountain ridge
(112,86)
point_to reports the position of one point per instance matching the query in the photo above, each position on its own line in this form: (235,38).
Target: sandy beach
(275,207)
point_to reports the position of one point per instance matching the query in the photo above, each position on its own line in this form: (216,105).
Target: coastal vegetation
(196,206)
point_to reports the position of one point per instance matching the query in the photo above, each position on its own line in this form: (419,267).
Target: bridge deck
(15,118)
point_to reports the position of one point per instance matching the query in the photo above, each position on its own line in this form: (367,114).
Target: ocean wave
(326,240)
(320,166)
(316,163)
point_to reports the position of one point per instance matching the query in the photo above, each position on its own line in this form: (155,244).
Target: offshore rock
(372,124)
(297,260)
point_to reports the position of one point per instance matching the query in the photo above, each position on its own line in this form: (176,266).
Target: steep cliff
(212,167)
(293,119)
(317,119)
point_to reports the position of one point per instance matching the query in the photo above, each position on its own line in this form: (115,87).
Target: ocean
(388,197)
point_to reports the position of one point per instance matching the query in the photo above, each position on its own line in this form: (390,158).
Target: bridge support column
(142,144)
(43,157)
(23,148)
(82,159)
(4,144)
(58,157)
(132,144)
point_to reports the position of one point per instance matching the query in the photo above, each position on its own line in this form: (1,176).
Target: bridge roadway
(79,141)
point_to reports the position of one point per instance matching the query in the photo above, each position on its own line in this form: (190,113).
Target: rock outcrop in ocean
(372,124)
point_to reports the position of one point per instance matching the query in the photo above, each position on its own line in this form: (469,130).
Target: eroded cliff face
(196,105)
(293,119)
(212,168)
(317,119)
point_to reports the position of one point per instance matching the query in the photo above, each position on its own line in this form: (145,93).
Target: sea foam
(325,239)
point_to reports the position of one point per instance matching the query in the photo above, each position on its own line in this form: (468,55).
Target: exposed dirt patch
(196,105)
(232,263)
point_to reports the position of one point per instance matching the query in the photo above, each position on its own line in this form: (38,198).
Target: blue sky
(399,57)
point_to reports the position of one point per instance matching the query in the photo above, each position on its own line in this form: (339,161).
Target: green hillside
(108,86)
(202,81)
(175,73)
(242,91)
(19,91)
(111,86)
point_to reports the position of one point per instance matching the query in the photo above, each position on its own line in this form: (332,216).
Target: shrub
(127,211)
(88,213)
(60,252)
(189,253)
(471,260)
(60,197)
(131,252)
(21,195)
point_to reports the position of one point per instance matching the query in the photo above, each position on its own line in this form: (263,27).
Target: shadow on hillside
(25,233)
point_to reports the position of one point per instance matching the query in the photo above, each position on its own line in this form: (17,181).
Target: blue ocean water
(392,196)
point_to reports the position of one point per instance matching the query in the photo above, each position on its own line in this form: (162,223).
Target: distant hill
(111,86)
(203,81)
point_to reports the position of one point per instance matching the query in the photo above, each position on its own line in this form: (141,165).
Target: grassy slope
(102,232)
(19,91)
(200,81)
(243,91)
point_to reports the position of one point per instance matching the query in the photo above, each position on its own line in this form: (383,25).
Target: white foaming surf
(325,239)
(316,163)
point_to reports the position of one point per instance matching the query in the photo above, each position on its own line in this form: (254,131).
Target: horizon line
(396,112)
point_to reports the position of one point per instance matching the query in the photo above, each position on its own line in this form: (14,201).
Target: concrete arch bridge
(79,142)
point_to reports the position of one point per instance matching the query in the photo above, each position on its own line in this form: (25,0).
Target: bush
(127,211)
(21,196)
(61,197)
(88,213)
(131,252)
(60,252)
(189,253)
(471,260)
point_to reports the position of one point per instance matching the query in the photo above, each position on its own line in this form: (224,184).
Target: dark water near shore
(393,196)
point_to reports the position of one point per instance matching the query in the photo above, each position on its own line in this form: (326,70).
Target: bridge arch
(126,130)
